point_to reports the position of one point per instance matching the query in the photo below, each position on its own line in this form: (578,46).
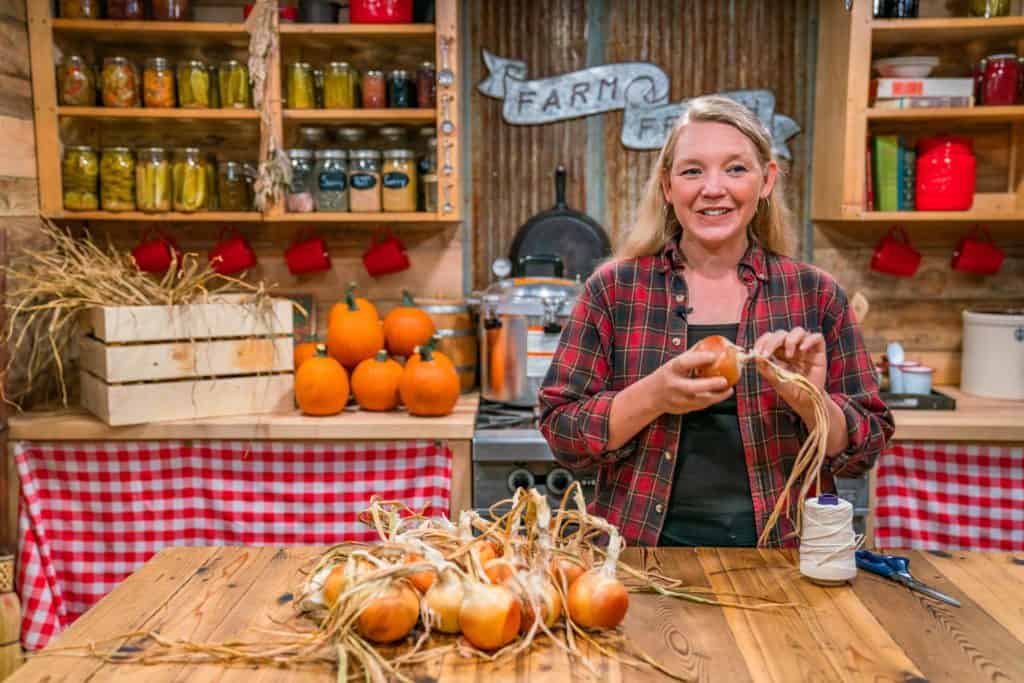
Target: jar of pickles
(158,83)
(170,10)
(152,180)
(364,180)
(398,180)
(189,179)
(79,178)
(80,9)
(299,198)
(233,190)
(76,83)
(375,90)
(193,85)
(119,83)
(126,10)
(300,92)
(117,179)
(427,168)
(233,83)
(400,89)
(426,86)
(208,163)
(330,192)
(339,86)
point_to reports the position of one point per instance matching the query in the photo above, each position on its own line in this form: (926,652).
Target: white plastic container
(993,356)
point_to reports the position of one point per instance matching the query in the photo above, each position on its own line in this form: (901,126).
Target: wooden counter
(874,630)
(975,419)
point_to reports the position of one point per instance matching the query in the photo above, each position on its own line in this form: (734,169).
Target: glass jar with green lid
(339,86)
(117,179)
(233,83)
(234,192)
(330,191)
(152,179)
(193,84)
(189,180)
(364,180)
(80,171)
(398,180)
(300,91)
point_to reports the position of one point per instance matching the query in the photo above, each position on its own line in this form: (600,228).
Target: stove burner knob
(520,478)
(558,481)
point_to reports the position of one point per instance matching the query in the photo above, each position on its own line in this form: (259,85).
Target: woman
(686,461)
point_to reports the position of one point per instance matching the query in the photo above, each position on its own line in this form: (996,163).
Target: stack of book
(911,93)
(891,174)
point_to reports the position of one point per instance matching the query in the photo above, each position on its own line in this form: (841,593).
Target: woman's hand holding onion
(682,393)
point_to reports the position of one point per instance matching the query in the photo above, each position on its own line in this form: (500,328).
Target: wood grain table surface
(872,630)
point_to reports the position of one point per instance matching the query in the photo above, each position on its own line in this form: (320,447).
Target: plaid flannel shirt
(626,324)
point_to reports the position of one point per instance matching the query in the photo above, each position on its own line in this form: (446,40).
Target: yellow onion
(489,616)
(444,599)
(422,580)
(548,599)
(569,569)
(390,616)
(335,585)
(499,570)
(728,363)
(598,600)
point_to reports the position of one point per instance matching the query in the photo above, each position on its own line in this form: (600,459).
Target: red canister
(945,174)
(380,11)
(1001,80)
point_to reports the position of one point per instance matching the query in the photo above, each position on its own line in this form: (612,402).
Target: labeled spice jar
(170,10)
(426,86)
(80,9)
(119,83)
(158,83)
(117,179)
(133,10)
(339,86)
(234,193)
(400,93)
(398,180)
(80,172)
(364,180)
(374,90)
(76,83)
(189,179)
(233,84)
(152,180)
(299,198)
(193,85)
(300,92)
(331,188)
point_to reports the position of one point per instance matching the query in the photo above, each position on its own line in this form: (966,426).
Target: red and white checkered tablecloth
(950,496)
(92,513)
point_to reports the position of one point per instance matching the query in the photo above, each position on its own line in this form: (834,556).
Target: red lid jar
(946,173)
(380,11)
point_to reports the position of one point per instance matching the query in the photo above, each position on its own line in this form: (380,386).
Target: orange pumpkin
(430,385)
(407,326)
(354,334)
(304,352)
(321,385)
(361,304)
(375,382)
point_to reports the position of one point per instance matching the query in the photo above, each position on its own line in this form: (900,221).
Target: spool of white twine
(827,542)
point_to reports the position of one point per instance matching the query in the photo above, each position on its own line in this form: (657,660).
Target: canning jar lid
(427,65)
(373,73)
(331,154)
(300,154)
(231,63)
(151,150)
(399,154)
(399,73)
(364,154)
(196,63)
(115,60)
(396,132)
(338,65)
(230,165)
(159,63)
(350,134)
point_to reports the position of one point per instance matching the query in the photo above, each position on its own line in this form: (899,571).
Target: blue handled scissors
(897,569)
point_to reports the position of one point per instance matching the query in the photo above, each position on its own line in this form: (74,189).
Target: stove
(509,452)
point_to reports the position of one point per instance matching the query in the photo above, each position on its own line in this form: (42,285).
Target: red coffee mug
(308,256)
(155,253)
(232,255)
(977,253)
(386,254)
(894,254)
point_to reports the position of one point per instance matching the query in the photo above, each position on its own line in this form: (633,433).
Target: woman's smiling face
(715,181)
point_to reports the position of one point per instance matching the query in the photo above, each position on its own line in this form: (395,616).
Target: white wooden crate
(154,363)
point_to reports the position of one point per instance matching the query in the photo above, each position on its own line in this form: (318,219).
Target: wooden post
(44,99)
(462,477)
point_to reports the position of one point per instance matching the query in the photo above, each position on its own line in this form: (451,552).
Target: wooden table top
(873,630)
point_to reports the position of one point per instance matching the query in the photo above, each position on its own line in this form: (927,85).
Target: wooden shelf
(176,113)
(376,31)
(164,32)
(350,217)
(944,31)
(360,115)
(173,216)
(966,115)
(941,216)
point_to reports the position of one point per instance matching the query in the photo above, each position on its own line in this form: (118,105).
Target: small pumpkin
(375,382)
(321,385)
(354,334)
(430,384)
(361,304)
(303,352)
(407,326)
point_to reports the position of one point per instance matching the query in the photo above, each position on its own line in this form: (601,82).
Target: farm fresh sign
(638,88)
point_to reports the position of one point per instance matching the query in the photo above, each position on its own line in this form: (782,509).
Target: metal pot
(521,321)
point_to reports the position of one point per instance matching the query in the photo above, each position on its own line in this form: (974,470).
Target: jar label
(396,180)
(332,181)
(363,181)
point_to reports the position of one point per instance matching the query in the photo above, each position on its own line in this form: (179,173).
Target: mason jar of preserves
(426,86)
(398,180)
(189,179)
(158,83)
(133,10)
(170,10)
(117,179)
(76,83)
(233,82)
(374,90)
(300,91)
(330,191)
(80,9)
(152,180)
(339,86)
(299,198)
(400,89)
(80,172)
(234,193)
(119,83)
(193,85)
(364,180)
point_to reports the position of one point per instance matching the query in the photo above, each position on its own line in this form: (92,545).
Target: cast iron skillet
(574,237)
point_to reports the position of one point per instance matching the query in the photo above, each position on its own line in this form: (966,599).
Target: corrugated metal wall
(704,46)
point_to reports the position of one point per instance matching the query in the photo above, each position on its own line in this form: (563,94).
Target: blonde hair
(656,222)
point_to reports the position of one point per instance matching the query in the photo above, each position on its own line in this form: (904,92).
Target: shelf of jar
(174,113)
(936,31)
(165,32)
(986,215)
(376,31)
(1011,114)
(360,115)
(172,216)
(351,217)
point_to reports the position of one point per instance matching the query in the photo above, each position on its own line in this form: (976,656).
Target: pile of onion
(490,615)
(597,599)
(392,615)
